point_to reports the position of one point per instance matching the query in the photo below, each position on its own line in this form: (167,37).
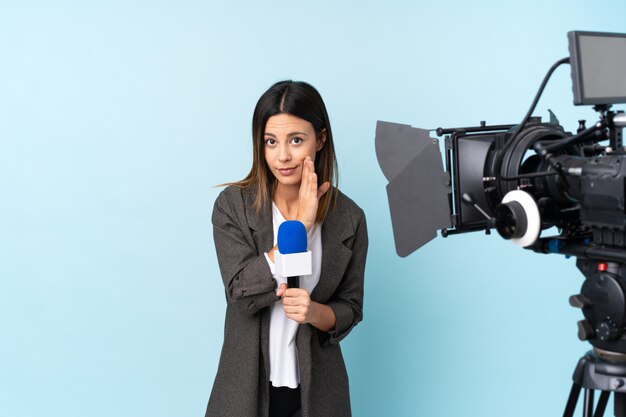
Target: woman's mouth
(286,171)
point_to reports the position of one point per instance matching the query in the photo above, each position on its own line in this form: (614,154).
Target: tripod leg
(620,404)
(572,400)
(604,398)
(588,411)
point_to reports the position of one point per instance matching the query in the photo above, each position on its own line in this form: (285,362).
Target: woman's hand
(310,194)
(299,307)
(296,303)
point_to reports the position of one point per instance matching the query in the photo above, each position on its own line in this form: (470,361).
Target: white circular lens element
(533,220)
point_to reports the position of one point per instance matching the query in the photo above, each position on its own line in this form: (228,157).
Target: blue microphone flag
(291,237)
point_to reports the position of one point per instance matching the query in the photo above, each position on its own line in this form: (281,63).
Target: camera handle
(616,122)
(469,200)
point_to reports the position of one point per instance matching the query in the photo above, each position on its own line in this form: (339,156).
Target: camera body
(581,191)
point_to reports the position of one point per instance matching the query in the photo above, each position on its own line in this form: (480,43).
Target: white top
(284,368)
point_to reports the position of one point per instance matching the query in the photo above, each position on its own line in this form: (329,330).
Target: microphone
(292,258)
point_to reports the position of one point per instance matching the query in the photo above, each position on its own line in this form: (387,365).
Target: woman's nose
(284,154)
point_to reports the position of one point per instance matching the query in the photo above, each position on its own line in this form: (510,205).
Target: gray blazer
(241,387)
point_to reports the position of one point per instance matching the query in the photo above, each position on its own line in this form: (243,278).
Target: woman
(281,354)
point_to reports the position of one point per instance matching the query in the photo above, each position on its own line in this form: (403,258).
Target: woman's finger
(311,177)
(305,171)
(313,183)
(282,288)
(296,317)
(292,309)
(322,190)
(296,292)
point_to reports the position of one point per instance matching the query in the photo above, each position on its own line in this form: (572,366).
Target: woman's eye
(296,140)
(270,142)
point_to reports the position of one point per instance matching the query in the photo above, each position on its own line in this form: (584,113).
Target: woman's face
(288,141)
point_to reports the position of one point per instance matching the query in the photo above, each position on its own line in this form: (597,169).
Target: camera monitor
(598,63)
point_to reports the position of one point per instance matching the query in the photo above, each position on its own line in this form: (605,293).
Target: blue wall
(118,118)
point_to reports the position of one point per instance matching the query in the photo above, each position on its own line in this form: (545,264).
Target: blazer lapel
(336,229)
(260,222)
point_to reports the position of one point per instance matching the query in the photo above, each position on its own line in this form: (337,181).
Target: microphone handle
(293,282)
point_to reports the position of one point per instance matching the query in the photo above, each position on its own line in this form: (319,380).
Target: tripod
(595,373)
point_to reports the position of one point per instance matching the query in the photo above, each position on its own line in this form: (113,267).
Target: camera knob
(585,331)
(607,330)
(579,301)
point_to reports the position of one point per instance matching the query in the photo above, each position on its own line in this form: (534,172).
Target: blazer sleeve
(247,277)
(347,301)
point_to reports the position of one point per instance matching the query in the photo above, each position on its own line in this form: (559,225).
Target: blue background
(117,119)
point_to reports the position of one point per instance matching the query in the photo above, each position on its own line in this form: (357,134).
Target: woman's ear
(321,139)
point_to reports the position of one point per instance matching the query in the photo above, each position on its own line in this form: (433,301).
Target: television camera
(521,179)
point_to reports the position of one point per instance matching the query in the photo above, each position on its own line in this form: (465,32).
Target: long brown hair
(302,100)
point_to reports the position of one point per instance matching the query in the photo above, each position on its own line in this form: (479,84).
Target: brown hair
(304,101)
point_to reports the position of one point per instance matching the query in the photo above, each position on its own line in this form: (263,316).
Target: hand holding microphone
(293,260)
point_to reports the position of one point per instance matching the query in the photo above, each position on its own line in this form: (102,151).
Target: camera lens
(510,220)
